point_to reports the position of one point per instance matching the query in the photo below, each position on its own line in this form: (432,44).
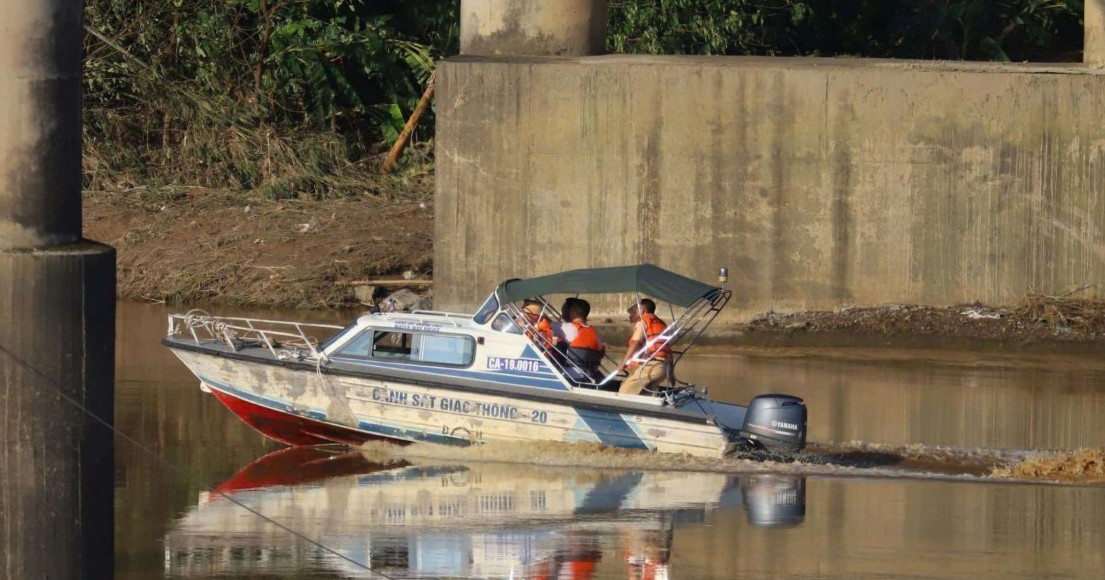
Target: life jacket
(541,333)
(581,569)
(586,349)
(653,328)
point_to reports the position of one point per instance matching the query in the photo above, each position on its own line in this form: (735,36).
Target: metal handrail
(693,322)
(553,355)
(460,315)
(413,316)
(234,330)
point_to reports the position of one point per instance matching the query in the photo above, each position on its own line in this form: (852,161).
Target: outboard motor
(775,423)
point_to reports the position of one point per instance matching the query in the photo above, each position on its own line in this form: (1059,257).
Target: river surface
(198,492)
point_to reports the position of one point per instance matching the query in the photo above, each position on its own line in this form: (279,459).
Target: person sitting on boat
(539,328)
(585,348)
(646,327)
(563,331)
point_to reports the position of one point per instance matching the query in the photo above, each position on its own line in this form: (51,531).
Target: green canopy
(645,278)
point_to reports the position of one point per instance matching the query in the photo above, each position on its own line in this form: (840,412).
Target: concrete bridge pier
(1093,46)
(532,27)
(57,311)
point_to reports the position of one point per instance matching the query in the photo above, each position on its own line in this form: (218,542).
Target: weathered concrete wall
(1093,44)
(533,27)
(820,183)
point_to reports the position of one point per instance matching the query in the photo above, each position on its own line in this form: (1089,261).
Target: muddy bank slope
(195,245)
(201,246)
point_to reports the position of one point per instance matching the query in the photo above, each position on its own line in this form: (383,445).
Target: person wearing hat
(539,328)
(657,368)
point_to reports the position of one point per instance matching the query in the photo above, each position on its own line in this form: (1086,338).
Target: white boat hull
(318,407)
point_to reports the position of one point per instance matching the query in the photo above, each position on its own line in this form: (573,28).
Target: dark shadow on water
(861,459)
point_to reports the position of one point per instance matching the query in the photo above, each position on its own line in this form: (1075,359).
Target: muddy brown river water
(383,515)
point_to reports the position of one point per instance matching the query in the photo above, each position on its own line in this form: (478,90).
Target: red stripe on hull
(290,429)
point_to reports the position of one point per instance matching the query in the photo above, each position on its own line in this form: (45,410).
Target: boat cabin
(499,343)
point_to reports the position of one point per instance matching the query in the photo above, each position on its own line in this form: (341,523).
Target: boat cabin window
(337,337)
(489,308)
(392,345)
(408,346)
(448,350)
(358,347)
(504,323)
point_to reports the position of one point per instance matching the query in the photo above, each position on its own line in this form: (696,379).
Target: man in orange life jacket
(541,332)
(646,326)
(585,347)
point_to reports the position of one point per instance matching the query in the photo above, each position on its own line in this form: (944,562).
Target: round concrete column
(40,122)
(533,27)
(1093,46)
(57,311)
(57,345)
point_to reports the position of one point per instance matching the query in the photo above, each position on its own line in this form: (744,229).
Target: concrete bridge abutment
(820,183)
(1093,49)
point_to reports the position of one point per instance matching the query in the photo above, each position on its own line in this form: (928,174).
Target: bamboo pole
(386,283)
(412,122)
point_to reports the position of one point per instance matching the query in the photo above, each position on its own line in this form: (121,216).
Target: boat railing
(684,331)
(693,322)
(442,313)
(422,317)
(284,339)
(563,365)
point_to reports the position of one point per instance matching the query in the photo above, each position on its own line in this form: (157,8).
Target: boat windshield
(507,324)
(337,337)
(489,308)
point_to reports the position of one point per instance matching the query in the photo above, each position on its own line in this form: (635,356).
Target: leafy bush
(999,30)
(212,92)
(289,96)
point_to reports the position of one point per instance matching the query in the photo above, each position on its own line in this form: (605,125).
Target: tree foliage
(284,93)
(162,76)
(994,30)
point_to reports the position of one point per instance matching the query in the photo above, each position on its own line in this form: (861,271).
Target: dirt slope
(202,246)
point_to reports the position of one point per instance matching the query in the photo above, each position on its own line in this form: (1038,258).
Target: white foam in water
(835,459)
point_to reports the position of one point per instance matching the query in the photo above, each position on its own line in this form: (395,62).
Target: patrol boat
(467,379)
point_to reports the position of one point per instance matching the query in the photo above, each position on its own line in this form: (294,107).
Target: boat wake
(1084,466)
(851,459)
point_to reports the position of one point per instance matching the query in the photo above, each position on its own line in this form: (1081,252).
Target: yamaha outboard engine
(775,423)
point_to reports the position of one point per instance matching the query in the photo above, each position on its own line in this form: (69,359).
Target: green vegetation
(299,97)
(278,95)
(986,30)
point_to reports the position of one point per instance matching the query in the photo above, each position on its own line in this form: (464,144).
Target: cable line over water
(179,470)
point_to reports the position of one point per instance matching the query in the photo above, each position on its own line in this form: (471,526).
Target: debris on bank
(402,300)
(1036,318)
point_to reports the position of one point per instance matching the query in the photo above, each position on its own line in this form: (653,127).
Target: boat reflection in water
(458,520)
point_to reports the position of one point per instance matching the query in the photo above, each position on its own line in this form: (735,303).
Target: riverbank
(195,245)
(202,246)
